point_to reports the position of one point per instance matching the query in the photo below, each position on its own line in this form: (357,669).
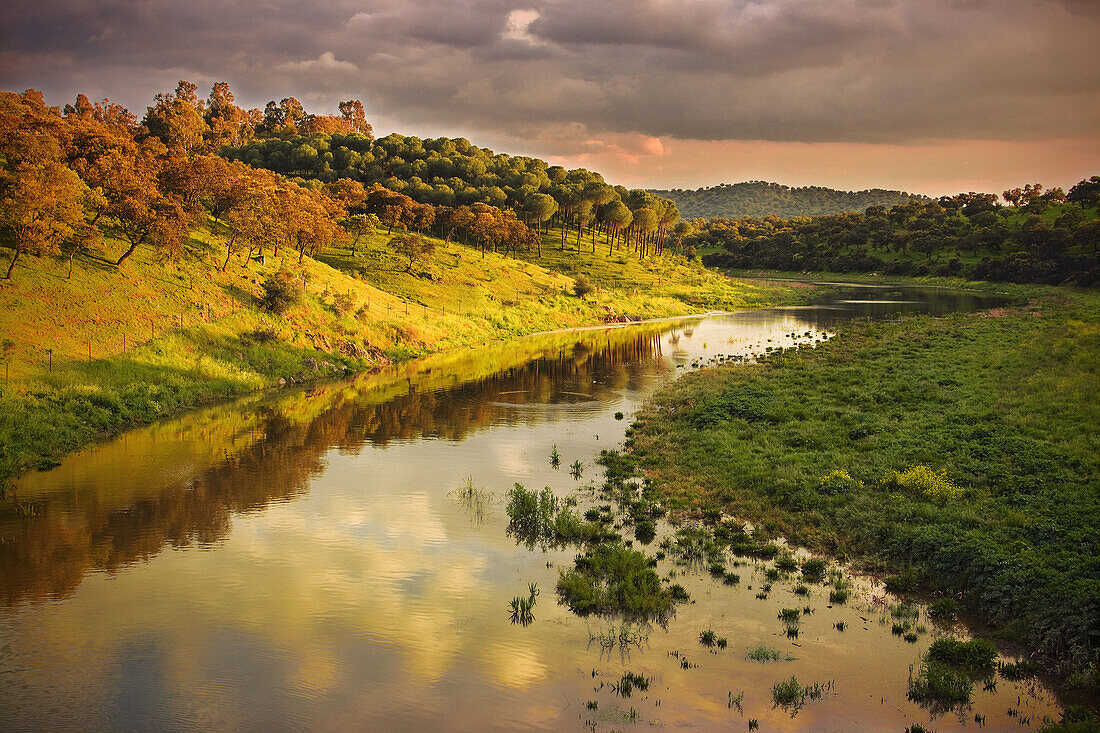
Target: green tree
(412,246)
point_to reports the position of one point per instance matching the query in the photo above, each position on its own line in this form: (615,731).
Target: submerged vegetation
(968,450)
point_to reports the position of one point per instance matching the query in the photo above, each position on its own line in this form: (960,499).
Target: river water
(311,560)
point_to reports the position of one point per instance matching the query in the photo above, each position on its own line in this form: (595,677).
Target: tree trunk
(71,256)
(125,256)
(12,265)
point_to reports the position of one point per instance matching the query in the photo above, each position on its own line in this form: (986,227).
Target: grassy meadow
(958,455)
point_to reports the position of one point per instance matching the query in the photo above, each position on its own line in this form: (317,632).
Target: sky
(926,96)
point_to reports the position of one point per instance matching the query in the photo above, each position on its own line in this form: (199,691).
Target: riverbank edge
(652,446)
(330,367)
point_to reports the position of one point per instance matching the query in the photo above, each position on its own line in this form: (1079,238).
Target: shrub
(582,286)
(838,482)
(924,482)
(944,608)
(281,291)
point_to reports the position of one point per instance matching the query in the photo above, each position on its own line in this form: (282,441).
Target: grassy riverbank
(112,348)
(959,453)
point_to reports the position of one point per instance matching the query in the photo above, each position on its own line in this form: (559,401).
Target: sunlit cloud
(652,81)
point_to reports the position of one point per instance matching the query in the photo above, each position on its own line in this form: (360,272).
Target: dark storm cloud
(788,70)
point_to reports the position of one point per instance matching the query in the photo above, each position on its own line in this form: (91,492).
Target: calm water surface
(305,561)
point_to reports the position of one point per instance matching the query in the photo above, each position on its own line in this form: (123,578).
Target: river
(314,560)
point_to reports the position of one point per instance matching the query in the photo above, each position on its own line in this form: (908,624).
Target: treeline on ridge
(761,199)
(1050,237)
(283,179)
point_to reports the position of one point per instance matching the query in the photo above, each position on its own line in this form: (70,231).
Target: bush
(281,291)
(582,286)
(924,482)
(838,482)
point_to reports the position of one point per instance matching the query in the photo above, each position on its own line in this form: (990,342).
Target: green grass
(973,656)
(114,348)
(1001,405)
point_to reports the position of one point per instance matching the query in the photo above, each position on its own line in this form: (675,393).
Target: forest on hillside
(761,198)
(1050,237)
(282,179)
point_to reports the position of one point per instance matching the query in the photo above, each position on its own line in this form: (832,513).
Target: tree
(355,119)
(358,225)
(681,230)
(177,118)
(1086,193)
(615,217)
(412,246)
(41,207)
(226,123)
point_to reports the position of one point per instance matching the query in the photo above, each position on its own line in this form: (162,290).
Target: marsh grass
(611,578)
(939,688)
(629,682)
(765,653)
(976,655)
(995,404)
(540,518)
(791,695)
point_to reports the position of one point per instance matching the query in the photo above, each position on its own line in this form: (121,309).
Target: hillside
(760,199)
(111,348)
(1051,238)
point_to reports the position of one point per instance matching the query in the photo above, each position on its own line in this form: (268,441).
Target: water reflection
(124,502)
(338,559)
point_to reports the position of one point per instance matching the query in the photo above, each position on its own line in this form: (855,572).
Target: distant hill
(761,198)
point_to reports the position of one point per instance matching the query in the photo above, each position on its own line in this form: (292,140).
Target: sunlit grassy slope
(133,344)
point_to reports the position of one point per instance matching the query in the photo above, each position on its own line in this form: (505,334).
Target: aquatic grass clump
(786,563)
(708,638)
(521,608)
(613,578)
(838,595)
(695,545)
(813,570)
(539,517)
(975,655)
(939,687)
(765,653)
(790,693)
(924,482)
(628,683)
(802,589)
(1018,670)
(645,531)
(731,579)
(790,615)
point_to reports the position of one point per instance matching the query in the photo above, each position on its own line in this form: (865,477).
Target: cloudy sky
(932,96)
